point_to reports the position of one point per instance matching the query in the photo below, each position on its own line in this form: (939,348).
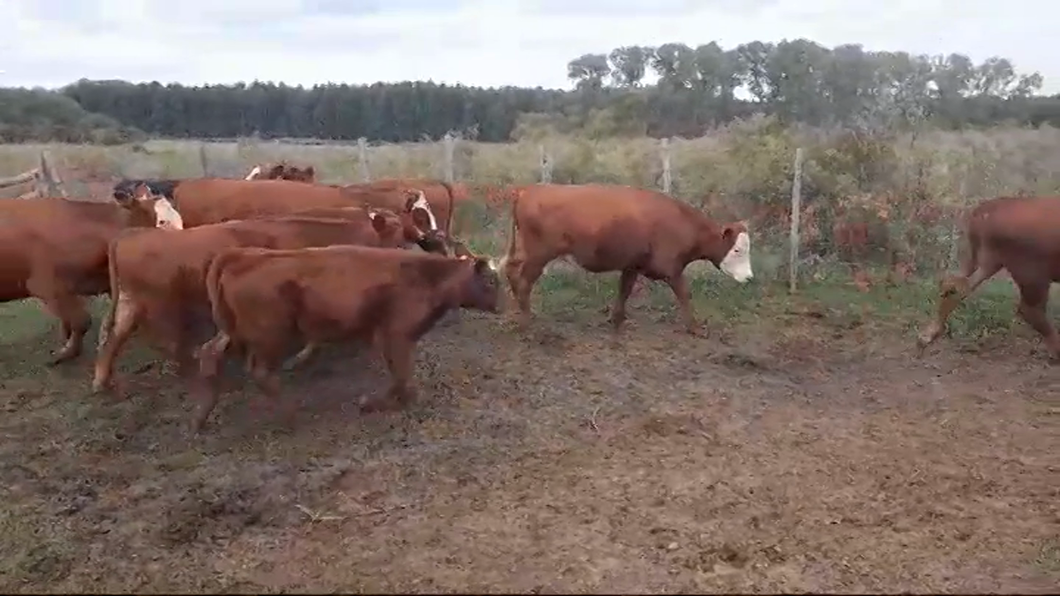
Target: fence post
(48,179)
(664,152)
(203,161)
(449,144)
(362,151)
(796,215)
(546,164)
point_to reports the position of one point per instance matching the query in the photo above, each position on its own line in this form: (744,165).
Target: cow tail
(223,317)
(972,240)
(513,231)
(112,278)
(452,206)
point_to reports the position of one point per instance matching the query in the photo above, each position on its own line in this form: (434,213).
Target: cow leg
(679,286)
(104,328)
(397,352)
(626,282)
(210,355)
(70,310)
(1034,296)
(301,357)
(126,319)
(521,277)
(953,291)
(264,375)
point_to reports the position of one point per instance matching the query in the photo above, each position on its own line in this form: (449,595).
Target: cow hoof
(60,358)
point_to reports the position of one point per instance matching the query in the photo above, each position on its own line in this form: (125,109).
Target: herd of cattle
(276,262)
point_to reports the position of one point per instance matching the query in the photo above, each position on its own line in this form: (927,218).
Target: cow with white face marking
(618,228)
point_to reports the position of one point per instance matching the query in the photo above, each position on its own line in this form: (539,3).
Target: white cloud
(475,42)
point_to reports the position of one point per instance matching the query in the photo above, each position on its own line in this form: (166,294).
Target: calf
(55,250)
(1020,234)
(159,277)
(617,228)
(264,298)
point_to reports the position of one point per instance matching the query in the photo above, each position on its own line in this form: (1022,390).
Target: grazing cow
(160,277)
(617,228)
(55,250)
(1020,234)
(264,298)
(282,171)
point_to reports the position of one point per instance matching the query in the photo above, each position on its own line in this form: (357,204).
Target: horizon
(506,43)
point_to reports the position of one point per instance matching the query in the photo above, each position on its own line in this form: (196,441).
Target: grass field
(799,447)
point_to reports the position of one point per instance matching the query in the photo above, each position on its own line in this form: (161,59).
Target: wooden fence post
(362,151)
(203,161)
(546,164)
(796,215)
(664,153)
(449,145)
(49,182)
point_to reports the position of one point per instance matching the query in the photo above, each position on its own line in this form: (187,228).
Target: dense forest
(692,90)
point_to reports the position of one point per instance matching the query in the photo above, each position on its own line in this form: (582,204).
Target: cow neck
(708,240)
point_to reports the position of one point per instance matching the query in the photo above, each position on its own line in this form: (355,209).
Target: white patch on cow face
(254,173)
(737,263)
(421,203)
(166,216)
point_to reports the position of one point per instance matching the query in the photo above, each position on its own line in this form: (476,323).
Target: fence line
(817,231)
(45,179)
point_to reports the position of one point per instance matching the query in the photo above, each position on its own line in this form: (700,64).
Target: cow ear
(142,192)
(378,221)
(728,233)
(411,197)
(482,266)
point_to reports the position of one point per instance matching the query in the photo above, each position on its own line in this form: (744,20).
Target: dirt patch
(568,459)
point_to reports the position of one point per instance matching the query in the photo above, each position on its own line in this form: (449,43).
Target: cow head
(481,287)
(389,227)
(732,252)
(144,204)
(419,209)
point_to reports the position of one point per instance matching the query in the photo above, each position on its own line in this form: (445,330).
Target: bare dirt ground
(825,459)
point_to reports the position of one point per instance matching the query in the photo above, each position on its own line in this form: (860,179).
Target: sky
(50,43)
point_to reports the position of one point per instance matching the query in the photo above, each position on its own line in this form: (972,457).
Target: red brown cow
(55,250)
(618,228)
(204,201)
(1020,234)
(264,298)
(437,193)
(159,277)
(282,171)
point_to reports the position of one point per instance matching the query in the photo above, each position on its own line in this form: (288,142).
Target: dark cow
(617,228)
(1020,234)
(282,171)
(264,298)
(159,277)
(55,250)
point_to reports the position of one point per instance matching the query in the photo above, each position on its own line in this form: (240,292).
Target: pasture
(799,447)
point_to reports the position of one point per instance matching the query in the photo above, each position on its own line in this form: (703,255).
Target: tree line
(690,91)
